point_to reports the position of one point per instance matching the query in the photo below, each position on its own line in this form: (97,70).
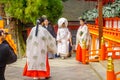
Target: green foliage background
(30,10)
(27,11)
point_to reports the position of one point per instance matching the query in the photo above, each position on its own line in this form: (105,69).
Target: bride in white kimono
(63,38)
(39,42)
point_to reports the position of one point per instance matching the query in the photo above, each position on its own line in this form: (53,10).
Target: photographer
(4,52)
(7,55)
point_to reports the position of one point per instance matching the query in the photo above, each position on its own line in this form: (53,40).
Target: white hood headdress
(61,21)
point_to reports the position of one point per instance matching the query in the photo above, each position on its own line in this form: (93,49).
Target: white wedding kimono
(83,35)
(37,48)
(63,35)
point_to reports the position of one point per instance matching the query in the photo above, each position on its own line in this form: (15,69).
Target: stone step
(99,69)
(116,65)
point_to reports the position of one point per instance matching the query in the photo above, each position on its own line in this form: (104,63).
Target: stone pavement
(100,68)
(68,69)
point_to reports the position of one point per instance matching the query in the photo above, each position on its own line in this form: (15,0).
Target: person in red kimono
(83,35)
(39,42)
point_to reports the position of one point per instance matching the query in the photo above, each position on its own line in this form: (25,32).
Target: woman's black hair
(38,22)
(82,19)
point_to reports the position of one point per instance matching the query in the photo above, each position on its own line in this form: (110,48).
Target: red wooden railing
(102,54)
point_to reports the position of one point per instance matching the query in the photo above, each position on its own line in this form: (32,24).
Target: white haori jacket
(83,35)
(37,48)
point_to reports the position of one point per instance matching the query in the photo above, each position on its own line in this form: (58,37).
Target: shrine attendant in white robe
(83,35)
(39,42)
(63,38)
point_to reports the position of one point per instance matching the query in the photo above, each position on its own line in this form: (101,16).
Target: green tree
(27,11)
(30,10)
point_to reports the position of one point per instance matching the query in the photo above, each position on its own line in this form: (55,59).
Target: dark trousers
(2,72)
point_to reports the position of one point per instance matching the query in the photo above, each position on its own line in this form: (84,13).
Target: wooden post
(110,70)
(103,50)
(110,44)
(93,42)
(100,21)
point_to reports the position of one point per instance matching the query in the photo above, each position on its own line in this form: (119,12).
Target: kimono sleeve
(77,37)
(51,43)
(30,35)
(58,36)
(69,34)
(28,41)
